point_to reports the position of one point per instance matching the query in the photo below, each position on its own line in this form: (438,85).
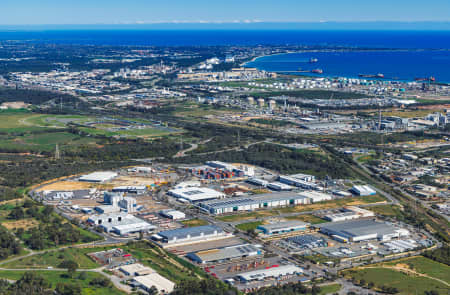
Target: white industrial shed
(146,282)
(363,190)
(120,223)
(316,196)
(273,272)
(98,176)
(195,194)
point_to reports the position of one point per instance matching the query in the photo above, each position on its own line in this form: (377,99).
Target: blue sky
(26,12)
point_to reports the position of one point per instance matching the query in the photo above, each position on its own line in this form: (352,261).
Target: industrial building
(98,176)
(190,235)
(136,269)
(262,201)
(257,181)
(196,194)
(172,214)
(308,241)
(138,190)
(272,272)
(117,201)
(304,181)
(315,197)
(361,230)
(278,186)
(363,190)
(224,254)
(283,227)
(146,282)
(120,223)
(348,213)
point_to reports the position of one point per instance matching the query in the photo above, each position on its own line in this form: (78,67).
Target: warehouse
(146,282)
(120,223)
(278,186)
(136,269)
(172,214)
(361,230)
(138,190)
(257,181)
(316,196)
(348,213)
(98,176)
(363,190)
(261,201)
(224,254)
(191,234)
(283,227)
(196,194)
(304,181)
(273,272)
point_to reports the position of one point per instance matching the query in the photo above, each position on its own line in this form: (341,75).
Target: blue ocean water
(402,65)
(377,39)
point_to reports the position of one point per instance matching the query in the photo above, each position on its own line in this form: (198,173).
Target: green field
(426,266)
(301,208)
(165,263)
(329,289)
(194,222)
(55,277)
(387,210)
(307,218)
(414,275)
(249,225)
(54,259)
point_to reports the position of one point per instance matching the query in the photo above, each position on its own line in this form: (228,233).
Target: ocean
(372,39)
(425,53)
(403,65)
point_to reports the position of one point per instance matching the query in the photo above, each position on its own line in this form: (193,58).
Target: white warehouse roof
(154,279)
(363,190)
(316,196)
(194,194)
(98,176)
(271,272)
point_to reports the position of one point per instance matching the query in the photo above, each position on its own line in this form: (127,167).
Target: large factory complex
(198,219)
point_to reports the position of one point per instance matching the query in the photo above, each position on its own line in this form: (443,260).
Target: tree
(67,289)
(70,265)
(16,213)
(31,284)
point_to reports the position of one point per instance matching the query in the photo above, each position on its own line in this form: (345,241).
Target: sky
(41,12)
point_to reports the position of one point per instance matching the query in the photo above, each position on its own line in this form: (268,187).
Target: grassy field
(55,277)
(387,210)
(54,259)
(194,222)
(307,218)
(302,208)
(165,263)
(329,289)
(413,275)
(249,225)
(424,265)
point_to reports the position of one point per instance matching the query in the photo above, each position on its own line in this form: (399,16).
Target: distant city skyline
(57,12)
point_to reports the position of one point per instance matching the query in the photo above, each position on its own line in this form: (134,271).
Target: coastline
(265,55)
(392,77)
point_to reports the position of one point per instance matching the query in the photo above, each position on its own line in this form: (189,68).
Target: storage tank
(261,102)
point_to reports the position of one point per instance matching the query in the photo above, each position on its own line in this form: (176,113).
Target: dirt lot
(132,181)
(23,223)
(68,186)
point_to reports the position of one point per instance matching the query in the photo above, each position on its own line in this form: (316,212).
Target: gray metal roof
(196,231)
(284,225)
(249,200)
(225,253)
(360,227)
